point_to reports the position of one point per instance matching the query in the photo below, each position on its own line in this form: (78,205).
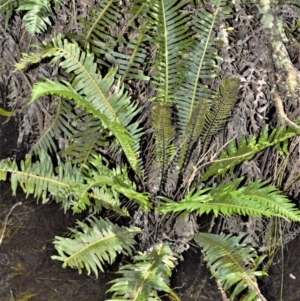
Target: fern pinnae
(200,65)
(244,150)
(36,16)
(164,135)
(84,143)
(106,14)
(59,124)
(8,7)
(193,131)
(150,274)
(138,9)
(99,242)
(88,83)
(221,107)
(170,39)
(131,69)
(232,263)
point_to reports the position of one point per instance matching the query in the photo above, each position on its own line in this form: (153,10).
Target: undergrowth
(119,159)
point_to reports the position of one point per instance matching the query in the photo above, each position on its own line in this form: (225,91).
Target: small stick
(6,220)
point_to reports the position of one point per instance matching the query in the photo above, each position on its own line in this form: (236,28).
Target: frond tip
(232,263)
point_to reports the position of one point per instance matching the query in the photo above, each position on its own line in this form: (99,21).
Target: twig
(6,220)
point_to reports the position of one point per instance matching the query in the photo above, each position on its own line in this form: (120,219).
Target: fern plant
(37,13)
(99,115)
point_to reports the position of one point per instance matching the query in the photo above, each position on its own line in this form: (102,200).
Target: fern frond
(105,197)
(114,106)
(164,135)
(139,9)
(98,242)
(149,274)
(171,34)
(27,59)
(255,199)
(60,123)
(37,15)
(95,37)
(129,65)
(220,108)
(232,263)
(85,142)
(193,131)
(40,178)
(98,174)
(244,150)
(200,61)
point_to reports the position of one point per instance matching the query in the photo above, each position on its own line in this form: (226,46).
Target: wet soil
(28,273)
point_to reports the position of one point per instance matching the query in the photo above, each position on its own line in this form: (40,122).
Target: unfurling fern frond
(254,199)
(238,152)
(98,242)
(149,275)
(233,264)
(37,15)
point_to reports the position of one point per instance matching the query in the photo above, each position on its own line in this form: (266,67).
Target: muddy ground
(28,273)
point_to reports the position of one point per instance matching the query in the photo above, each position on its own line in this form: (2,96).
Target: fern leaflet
(96,243)
(232,263)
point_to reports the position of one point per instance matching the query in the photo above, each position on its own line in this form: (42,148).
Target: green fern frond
(95,37)
(149,274)
(171,33)
(129,65)
(60,123)
(27,59)
(98,242)
(244,150)
(37,15)
(258,198)
(232,263)
(98,174)
(193,131)
(105,197)
(85,142)
(139,9)
(127,55)
(102,99)
(200,61)
(255,199)
(40,178)
(164,135)
(221,107)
